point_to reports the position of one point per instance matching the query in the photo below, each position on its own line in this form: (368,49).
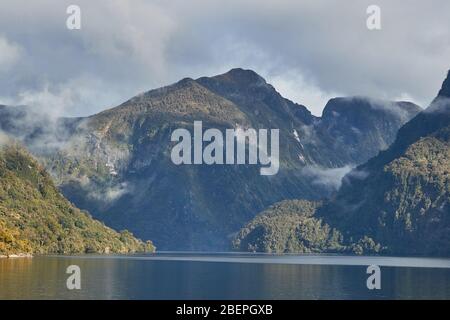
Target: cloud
(294,86)
(74,97)
(331,179)
(310,50)
(110,194)
(4,139)
(9,54)
(392,107)
(47,102)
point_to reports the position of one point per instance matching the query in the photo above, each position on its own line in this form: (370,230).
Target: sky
(310,51)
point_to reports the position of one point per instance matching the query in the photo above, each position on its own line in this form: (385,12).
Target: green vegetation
(116,164)
(397,203)
(36,218)
(197,207)
(288,226)
(403,204)
(400,206)
(11,242)
(292,226)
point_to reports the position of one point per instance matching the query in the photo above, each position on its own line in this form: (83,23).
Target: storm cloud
(309,50)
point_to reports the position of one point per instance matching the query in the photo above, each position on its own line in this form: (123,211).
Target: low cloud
(330,179)
(356,173)
(383,105)
(9,54)
(74,97)
(390,106)
(4,139)
(310,50)
(294,86)
(111,194)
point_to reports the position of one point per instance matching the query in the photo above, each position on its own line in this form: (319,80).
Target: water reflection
(132,278)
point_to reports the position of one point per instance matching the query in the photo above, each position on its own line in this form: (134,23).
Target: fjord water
(223,276)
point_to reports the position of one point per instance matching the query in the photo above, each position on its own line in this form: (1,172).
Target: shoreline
(15,256)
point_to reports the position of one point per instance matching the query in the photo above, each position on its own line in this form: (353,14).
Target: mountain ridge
(116,164)
(397,203)
(445,89)
(408,206)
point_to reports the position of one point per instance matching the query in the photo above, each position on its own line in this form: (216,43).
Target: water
(224,276)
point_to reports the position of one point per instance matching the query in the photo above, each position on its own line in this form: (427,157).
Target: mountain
(396,203)
(401,198)
(294,226)
(355,129)
(288,226)
(36,218)
(116,164)
(350,131)
(445,89)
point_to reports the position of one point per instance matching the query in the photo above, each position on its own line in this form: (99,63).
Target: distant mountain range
(116,164)
(396,203)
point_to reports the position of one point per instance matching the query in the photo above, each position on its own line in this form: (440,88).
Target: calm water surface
(223,276)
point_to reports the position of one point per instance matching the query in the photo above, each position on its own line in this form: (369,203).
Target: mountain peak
(357,106)
(185,81)
(445,90)
(243,77)
(243,73)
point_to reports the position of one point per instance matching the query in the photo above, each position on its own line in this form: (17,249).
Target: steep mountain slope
(350,131)
(36,218)
(185,207)
(401,198)
(397,203)
(117,163)
(355,129)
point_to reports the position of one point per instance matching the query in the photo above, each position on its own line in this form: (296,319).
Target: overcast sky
(309,50)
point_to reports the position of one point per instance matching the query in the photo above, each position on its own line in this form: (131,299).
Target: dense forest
(36,218)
